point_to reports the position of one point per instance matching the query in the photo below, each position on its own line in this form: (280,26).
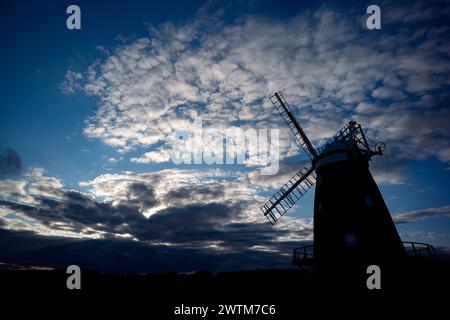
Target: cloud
(429,237)
(419,11)
(416,135)
(13,188)
(324,62)
(10,163)
(388,169)
(286,171)
(385,93)
(160,155)
(415,215)
(71,82)
(209,210)
(116,255)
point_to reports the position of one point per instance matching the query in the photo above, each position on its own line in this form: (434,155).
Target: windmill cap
(337,150)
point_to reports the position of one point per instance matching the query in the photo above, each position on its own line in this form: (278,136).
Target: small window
(350,239)
(368,200)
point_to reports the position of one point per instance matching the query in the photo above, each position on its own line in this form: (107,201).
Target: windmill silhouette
(351,220)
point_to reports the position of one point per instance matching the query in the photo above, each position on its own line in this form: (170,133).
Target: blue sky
(91,114)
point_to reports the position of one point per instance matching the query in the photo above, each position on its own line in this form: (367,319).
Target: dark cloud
(199,192)
(10,163)
(141,195)
(324,60)
(113,255)
(77,212)
(194,225)
(207,225)
(188,223)
(285,172)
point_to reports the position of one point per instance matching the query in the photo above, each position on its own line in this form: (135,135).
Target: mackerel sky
(87,122)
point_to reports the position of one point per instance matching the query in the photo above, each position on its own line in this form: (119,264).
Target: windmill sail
(286,113)
(289,193)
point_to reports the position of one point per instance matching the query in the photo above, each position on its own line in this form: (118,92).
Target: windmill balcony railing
(303,254)
(419,249)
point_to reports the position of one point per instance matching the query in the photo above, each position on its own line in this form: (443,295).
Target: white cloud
(160,155)
(422,214)
(157,84)
(386,93)
(32,183)
(224,187)
(27,190)
(71,82)
(10,188)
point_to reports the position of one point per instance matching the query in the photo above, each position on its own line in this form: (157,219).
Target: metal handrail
(302,253)
(419,249)
(415,249)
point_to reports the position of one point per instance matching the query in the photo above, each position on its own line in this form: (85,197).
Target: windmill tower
(351,221)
